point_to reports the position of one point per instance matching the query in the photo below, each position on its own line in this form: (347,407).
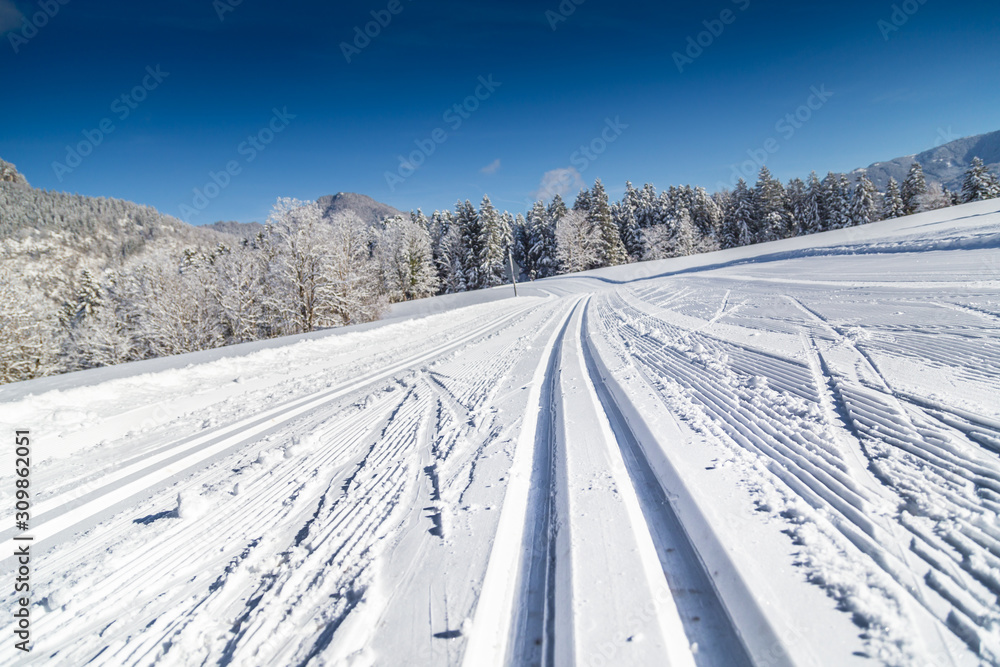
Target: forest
(125,283)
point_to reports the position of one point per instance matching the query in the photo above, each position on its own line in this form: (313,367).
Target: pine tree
(452,255)
(864,209)
(557,209)
(770,208)
(610,249)
(914,187)
(738,221)
(798,204)
(979,183)
(495,234)
(836,201)
(472,249)
(705,214)
(646,208)
(892,201)
(811,214)
(626,217)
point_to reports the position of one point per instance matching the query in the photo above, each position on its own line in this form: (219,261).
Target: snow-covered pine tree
(451,261)
(610,249)
(440,223)
(770,208)
(494,229)
(626,217)
(468,223)
(403,249)
(914,187)
(798,205)
(705,215)
(738,222)
(557,209)
(979,183)
(864,208)
(520,244)
(892,201)
(647,205)
(542,251)
(836,201)
(582,202)
(814,213)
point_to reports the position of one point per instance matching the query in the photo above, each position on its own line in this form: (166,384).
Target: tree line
(305,272)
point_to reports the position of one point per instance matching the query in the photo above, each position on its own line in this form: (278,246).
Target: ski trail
(617,605)
(62,515)
(493,619)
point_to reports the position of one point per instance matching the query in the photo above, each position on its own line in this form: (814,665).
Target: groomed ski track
(742,463)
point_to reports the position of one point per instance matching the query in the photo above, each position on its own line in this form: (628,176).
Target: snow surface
(787,454)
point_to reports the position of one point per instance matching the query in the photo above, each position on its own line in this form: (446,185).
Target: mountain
(48,238)
(365,207)
(945,164)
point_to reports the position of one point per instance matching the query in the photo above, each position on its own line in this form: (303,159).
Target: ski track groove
(934,439)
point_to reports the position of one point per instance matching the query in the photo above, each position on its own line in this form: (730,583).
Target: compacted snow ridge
(786,454)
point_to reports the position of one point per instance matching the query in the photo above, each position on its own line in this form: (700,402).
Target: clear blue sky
(935,77)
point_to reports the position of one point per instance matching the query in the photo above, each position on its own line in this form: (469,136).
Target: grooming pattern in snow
(779,455)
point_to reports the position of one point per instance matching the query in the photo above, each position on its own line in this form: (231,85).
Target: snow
(784,454)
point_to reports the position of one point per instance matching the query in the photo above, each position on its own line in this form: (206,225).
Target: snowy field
(787,454)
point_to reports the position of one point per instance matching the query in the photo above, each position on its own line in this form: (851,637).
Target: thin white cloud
(10,16)
(491,168)
(564,182)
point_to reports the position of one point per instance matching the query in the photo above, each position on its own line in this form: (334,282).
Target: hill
(364,206)
(49,238)
(945,164)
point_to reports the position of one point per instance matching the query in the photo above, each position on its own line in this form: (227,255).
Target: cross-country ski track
(787,454)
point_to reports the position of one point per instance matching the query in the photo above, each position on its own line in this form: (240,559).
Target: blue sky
(893,78)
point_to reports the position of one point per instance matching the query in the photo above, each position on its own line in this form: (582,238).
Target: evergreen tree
(770,208)
(452,261)
(705,214)
(798,206)
(557,209)
(610,249)
(473,251)
(738,221)
(626,217)
(815,216)
(914,187)
(646,207)
(836,201)
(892,201)
(494,230)
(979,183)
(864,209)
